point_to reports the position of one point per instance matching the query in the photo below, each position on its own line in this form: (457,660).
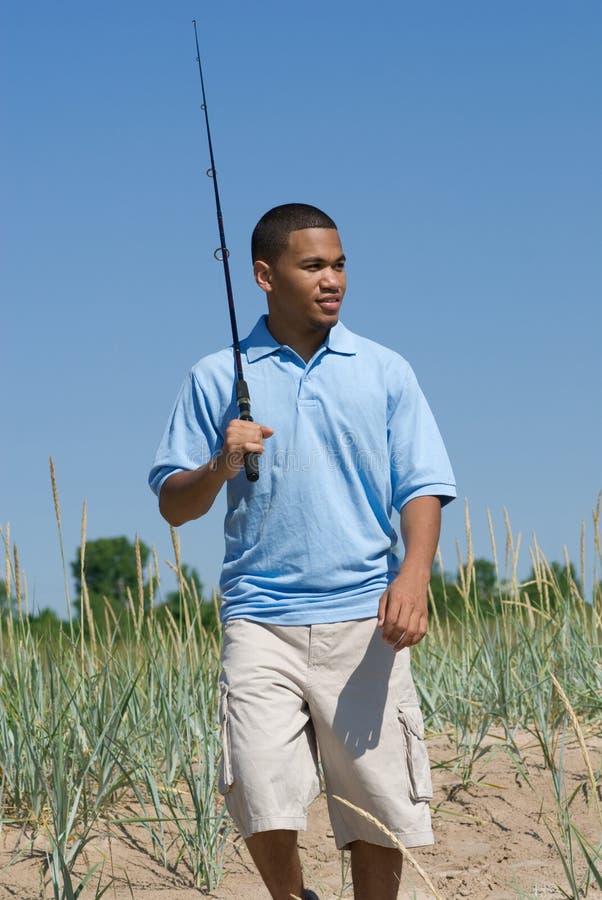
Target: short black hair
(270,235)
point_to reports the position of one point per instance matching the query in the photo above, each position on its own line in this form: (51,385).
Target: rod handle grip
(252,466)
(251,460)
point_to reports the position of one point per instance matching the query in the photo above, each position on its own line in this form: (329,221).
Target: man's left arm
(402,611)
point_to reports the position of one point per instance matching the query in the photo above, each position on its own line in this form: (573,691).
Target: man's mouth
(331,302)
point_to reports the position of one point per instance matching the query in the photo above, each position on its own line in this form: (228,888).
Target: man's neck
(303,344)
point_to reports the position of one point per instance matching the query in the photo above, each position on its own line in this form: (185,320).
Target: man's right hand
(189,494)
(241,437)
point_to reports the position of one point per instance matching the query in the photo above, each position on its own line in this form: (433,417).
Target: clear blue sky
(457,145)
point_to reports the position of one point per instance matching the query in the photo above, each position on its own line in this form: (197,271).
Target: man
(318,614)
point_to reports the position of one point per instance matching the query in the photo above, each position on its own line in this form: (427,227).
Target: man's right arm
(190,494)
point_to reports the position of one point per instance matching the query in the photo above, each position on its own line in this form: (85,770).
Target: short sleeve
(419,462)
(191,436)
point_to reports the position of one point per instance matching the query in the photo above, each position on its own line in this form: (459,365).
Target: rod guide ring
(218,254)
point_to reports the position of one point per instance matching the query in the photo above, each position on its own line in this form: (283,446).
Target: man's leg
(376,871)
(276,856)
(269,768)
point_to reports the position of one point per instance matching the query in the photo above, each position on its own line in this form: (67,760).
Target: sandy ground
(492,840)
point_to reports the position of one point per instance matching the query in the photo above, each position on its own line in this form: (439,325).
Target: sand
(492,840)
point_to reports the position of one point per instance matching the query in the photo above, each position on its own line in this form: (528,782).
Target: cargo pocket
(416,754)
(226,778)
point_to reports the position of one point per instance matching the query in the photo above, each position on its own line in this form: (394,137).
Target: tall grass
(103,713)
(526,659)
(112,725)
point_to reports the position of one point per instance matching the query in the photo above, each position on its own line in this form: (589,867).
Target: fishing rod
(222,253)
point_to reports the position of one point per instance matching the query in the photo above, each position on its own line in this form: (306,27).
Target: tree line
(112,579)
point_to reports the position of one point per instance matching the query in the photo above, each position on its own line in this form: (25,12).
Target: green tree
(561,586)
(47,624)
(6,602)
(110,569)
(485,578)
(448,599)
(193,584)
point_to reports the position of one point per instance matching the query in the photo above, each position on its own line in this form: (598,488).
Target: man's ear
(263,275)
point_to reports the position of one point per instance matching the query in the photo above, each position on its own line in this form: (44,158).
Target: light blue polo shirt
(311,541)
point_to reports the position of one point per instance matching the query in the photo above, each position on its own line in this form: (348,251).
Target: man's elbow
(169,514)
(174,515)
(169,510)
(173,520)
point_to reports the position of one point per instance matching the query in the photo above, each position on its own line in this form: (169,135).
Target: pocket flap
(417,759)
(226,777)
(411,719)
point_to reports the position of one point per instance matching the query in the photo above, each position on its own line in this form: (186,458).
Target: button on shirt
(311,541)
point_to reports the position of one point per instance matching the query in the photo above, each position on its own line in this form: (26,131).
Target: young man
(318,614)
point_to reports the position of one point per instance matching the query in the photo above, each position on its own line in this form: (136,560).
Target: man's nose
(332,279)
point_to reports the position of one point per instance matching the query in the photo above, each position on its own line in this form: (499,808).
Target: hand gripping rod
(221,254)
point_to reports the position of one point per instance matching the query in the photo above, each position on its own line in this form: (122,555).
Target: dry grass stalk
(573,589)
(540,571)
(597,586)
(82,580)
(462,586)
(433,607)
(132,609)
(174,631)
(18,594)
(151,589)
(25,595)
(509,542)
(110,612)
(596,516)
(198,614)
(471,580)
(84,533)
(85,606)
(140,586)
(582,558)
(439,558)
(57,512)
(175,540)
(395,840)
(515,556)
(156,565)
(90,621)
(579,734)
(55,493)
(526,604)
(216,605)
(7,565)
(530,609)
(493,544)
(106,615)
(535,563)
(184,589)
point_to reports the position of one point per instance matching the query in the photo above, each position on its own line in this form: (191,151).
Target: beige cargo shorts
(291,695)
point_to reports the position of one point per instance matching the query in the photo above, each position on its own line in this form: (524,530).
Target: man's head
(271,234)
(299,262)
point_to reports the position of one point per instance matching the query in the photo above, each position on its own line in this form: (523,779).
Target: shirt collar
(262,343)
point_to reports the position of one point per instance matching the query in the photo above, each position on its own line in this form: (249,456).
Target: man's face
(306,285)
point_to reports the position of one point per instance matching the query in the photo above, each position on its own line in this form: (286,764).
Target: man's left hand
(402,611)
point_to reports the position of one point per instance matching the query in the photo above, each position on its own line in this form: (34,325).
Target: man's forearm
(420,528)
(403,607)
(189,495)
